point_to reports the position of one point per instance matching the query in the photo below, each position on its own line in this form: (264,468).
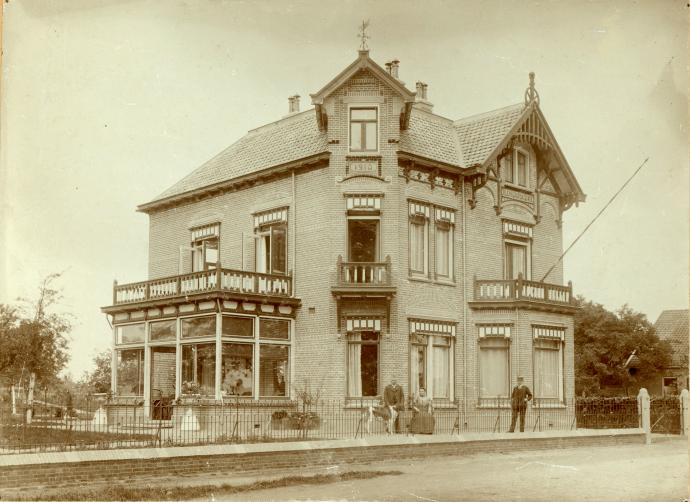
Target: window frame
(494,336)
(199,251)
(439,223)
(376,122)
(267,230)
(141,369)
(348,342)
(420,220)
(427,341)
(512,176)
(552,344)
(510,242)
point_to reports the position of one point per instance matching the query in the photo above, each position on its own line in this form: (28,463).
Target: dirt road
(657,472)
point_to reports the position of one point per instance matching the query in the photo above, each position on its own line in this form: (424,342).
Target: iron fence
(91,422)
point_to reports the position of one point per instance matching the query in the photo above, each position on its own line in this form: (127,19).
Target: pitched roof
(672,325)
(481,134)
(289,139)
(432,137)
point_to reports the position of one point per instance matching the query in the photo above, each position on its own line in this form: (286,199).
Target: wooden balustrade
(364,274)
(520,289)
(220,279)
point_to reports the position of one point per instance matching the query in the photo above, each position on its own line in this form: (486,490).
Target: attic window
(514,167)
(363,129)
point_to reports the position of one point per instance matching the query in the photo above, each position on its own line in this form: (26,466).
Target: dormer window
(514,167)
(363,129)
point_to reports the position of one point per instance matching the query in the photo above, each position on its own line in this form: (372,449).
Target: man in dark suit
(393,397)
(518,401)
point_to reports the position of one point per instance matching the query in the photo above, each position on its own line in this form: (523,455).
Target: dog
(387,414)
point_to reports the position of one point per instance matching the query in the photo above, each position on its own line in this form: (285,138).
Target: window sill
(444,404)
(548,406)
(353,403)
(445,282)
(517,187)
(419,279)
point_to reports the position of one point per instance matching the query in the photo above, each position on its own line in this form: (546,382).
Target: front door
(363,240)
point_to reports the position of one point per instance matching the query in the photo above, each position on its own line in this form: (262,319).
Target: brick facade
(316,198)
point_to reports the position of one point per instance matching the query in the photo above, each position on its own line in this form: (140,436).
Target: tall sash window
(363,335)
(494,363)
(431,357)
(205,247)
(548,364)
(270,233)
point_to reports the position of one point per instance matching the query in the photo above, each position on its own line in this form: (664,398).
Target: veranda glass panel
(277,329)
(130,372)
(199,369)
(195,327)
(163,330)
(238,326)
(238,369)
(273,370)
(163,361)
(131,333)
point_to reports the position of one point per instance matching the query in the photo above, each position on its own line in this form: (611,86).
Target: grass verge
(124,492)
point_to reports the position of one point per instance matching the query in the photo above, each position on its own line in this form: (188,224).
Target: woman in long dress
(423,418)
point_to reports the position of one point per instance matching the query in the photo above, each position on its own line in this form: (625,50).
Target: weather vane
(363,35)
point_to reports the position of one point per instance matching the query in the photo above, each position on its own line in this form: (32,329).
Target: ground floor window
(548,363)
(431,358)
(494,363)
(130,372)
(670,386)
(363,364)
(199,369)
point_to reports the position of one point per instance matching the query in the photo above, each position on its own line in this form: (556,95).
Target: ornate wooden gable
(554,175)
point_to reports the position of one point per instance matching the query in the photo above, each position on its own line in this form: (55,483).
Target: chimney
(394,67)
(388,67)
(421,100)
(293,104)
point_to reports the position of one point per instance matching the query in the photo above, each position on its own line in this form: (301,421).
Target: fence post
(683,401)
(643,409)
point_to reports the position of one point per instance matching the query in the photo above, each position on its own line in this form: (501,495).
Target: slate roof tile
(286,140)
(480,134)
(672,325)
(431,136)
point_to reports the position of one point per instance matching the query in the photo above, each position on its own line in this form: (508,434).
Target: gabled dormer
(515,147)
(363,67)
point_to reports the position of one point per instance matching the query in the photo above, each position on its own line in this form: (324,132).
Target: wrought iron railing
(101,424)
(219,279)
(364,274)
(520,289)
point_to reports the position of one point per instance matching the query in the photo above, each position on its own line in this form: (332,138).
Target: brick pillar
(643,409)
(684,418)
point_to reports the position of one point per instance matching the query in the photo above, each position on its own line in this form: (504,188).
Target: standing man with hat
(518,401)
(393,397)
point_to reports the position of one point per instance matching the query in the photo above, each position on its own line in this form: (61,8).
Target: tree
(605,340)
(98,380)
(34,340)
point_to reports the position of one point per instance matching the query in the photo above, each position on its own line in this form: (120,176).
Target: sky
(106,103)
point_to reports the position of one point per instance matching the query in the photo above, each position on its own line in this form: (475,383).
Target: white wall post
(643,409)
(684,418)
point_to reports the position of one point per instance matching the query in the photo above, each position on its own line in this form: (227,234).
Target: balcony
(364,279)
(217,283)
(522,293)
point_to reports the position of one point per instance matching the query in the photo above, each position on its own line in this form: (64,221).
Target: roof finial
(531,94)
(363,35)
